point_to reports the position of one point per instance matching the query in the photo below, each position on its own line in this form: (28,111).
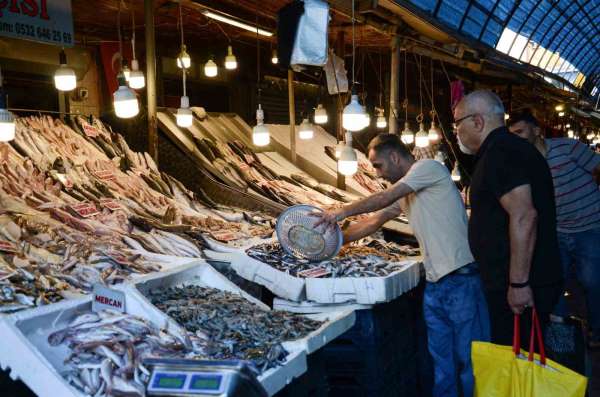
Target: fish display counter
(367,272)
(68,349)
(79,207)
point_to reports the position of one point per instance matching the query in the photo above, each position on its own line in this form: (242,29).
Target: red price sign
(85,210)
(314,273)
(110,204)
(105,175)
(90,131)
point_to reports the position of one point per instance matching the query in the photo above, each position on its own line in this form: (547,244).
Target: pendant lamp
(353,116)
(124,100)
(260,133)
(136,76)
(320,115)
(306,130)
(64,77)
(422,138)
(184,115)
(455,173)
(381,120)
(348,161)
(434,132)
(408,136)
(230,60)
(274,58)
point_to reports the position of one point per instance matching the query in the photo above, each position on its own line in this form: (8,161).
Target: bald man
(512,228)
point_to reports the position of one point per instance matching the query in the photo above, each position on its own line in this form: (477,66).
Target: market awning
(560,36)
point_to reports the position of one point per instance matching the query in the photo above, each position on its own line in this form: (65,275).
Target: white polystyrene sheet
(307,307)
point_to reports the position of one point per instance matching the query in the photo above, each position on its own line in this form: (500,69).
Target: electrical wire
(405,87)
(119,32)
(257,54)
(133,32)
(181,27)
(353,45)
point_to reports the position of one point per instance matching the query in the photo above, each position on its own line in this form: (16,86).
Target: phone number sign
(46,21)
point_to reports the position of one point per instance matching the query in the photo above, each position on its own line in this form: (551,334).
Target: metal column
(394,85)
(292,115)
(151,79)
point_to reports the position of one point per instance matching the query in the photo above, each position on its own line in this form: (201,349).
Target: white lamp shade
(65,79)
(125,102)
(381,122)
(455,173)
(7,126)
(353,118)
(320,115)
(422,138)
(407,137)
(211,69)
(274,58)
(568,125)
(137,79)
(348,162)
(434,132)
(184,114)
(260,135)
(183,59)
(230,60)
(306,130)
(570,133)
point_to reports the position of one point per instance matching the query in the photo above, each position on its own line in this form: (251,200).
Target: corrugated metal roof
(559,36)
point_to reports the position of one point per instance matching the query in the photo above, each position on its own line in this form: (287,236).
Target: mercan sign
(45,21)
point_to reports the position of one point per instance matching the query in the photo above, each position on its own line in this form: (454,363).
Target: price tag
(85,210)
(107,298)
(110,204)
(314,273)
(90,131)
(65,181)
(8,246)
(223,236)
(105,175)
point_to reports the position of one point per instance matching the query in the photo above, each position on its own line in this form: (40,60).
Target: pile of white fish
(375,259)
(106,350)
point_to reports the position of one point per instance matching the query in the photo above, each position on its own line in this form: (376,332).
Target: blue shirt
(576,192)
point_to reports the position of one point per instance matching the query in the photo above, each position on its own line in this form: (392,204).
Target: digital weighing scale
(202,378)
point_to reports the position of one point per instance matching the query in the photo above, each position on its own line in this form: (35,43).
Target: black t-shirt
(505,162)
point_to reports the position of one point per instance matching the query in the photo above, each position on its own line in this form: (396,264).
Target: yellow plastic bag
(502,371)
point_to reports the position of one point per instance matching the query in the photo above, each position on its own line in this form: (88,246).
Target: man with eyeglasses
(512,228)
(454,304)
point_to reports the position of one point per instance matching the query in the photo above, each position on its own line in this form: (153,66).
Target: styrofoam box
(25,351)
(202,274)
(278,282)
(364,290)
(315,308)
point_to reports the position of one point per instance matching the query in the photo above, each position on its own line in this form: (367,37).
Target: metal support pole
(292,115)
(151,79)
(340,51)
(394,85)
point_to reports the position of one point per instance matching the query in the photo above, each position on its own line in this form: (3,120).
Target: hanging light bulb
(568,125)
(260,133)
(230,60)
(354,116)
(506,116)
(381,121)
(422,138)
(338,149)
(274,58)
(184,113)
(434,132)
(7,120)
(320,115)
(124,100)
(183,59)
(136,77)
(561,114)
(440,157)
(211,69)
(408,136)
(559,107)
(125,70)
(306,130)
(348,161)
(570,133)
(455,173)
(64,77)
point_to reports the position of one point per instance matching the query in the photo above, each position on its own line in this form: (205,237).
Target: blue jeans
(456,314)
(580,257)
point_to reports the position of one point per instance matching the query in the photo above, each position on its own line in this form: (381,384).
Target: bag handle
(536,333)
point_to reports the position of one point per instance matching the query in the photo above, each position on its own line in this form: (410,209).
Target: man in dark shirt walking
(512,229)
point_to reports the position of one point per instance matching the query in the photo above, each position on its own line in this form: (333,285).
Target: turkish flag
(111,62)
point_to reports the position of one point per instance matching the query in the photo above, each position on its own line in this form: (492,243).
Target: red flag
(111,61)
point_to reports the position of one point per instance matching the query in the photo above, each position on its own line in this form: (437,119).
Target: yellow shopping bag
(503,371)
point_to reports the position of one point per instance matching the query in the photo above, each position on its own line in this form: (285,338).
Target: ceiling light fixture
(407,136)
(124,100)
(230,60)
(348,161)
(237,23)
(421,138)
(274,58)
(183,59)
(455,173)
(260,133)
(381,121)
(211,69)
(136,76)
(64,77)
(320,115)
(306,130)
(353,116)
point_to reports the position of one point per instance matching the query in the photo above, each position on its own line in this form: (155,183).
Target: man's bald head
(476,115)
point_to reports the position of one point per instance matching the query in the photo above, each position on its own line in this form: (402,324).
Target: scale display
(187,382)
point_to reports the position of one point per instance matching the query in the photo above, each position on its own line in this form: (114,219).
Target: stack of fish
(79,207)
(106,350)
(378,259)
(223,325)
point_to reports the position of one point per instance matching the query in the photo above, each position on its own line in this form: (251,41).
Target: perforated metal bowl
(298,236)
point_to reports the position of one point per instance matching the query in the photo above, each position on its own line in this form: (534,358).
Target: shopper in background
(576,173)
(454,304)
(512,228)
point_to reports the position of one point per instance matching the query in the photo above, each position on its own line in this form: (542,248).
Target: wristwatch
(519,285)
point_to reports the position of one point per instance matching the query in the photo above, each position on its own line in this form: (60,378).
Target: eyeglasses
(457,122)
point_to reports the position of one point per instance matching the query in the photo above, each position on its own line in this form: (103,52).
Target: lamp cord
(133,31)
(353,45)
(257,54)
(119,33)
(405,87)
(181,27)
